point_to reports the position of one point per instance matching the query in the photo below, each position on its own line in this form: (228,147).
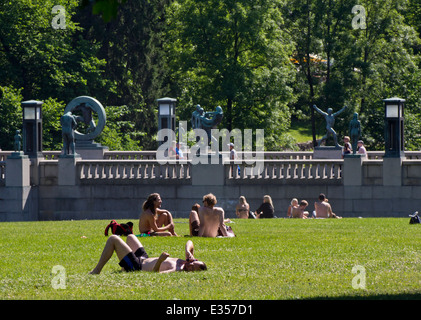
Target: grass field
(269,259)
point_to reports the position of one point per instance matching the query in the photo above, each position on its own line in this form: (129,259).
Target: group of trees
(265,62)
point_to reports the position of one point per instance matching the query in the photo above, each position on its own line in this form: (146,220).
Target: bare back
(323,209)
(146,221)
(297,212)
(210,221)
(242,211)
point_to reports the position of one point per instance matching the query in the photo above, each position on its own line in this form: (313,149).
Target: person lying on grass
(133,257)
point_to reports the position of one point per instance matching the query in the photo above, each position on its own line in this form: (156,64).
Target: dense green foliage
(264,62)
(268,259)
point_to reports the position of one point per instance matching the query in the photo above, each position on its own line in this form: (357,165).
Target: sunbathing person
(294,204)
(194,221)
(299,212)
(208,219)
(155,221)
(323,208)
(133,257)
(242,209)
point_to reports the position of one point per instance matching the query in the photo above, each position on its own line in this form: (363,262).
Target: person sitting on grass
(323,208)
(155,221)
(209,220)
(194,220)
(242,209)
(266,209)
(294,204)
(133,257)
(299,212)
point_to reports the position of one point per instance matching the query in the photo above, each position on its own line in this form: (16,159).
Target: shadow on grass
(403,296)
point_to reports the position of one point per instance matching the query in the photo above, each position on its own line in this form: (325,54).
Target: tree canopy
(265,62)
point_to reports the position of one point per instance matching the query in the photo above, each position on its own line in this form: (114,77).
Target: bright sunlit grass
(269,259)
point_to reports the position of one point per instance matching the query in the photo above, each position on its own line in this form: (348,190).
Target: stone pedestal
(353,173)
(327,153)
(90,150)
(210,174)
(18,172)
(18,200)
(392,171)
(67,175)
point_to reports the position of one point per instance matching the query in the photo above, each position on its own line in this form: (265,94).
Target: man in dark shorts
(133,260)
(133,257)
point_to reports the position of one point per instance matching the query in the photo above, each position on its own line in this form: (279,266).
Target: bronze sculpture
(330,122)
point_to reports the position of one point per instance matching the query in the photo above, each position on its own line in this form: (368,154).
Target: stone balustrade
(66,188)
(132,171)
(276,168)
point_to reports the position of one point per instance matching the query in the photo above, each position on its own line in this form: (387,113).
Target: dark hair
(303,203)
(196,207)
(149,203)
(203,267)
(322,197)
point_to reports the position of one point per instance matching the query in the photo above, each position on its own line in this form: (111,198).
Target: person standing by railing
(361,148)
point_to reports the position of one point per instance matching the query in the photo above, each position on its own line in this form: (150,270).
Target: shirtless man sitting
(298,212)
(154,221)
(209,219)
(323,208)
(133,257)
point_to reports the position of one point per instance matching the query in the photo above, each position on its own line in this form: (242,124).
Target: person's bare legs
(194,221)
(133,242)
(165,219)
(114,243)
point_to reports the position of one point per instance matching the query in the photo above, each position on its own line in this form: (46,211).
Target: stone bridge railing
(55,187)
(147,171)
(276,168)
(132,171)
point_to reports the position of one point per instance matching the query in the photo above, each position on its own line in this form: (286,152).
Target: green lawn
(269,259)
(301,131)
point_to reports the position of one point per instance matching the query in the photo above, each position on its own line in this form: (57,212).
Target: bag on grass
(119,229)
(415,218)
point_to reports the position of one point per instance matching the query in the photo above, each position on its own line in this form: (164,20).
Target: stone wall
(116,189)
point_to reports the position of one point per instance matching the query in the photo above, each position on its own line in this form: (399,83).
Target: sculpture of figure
(86,117)
(330,121)
(87,105)
(206,120)
(18,140)
(195,119)
(209,123)
(68,124)
(355,132)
